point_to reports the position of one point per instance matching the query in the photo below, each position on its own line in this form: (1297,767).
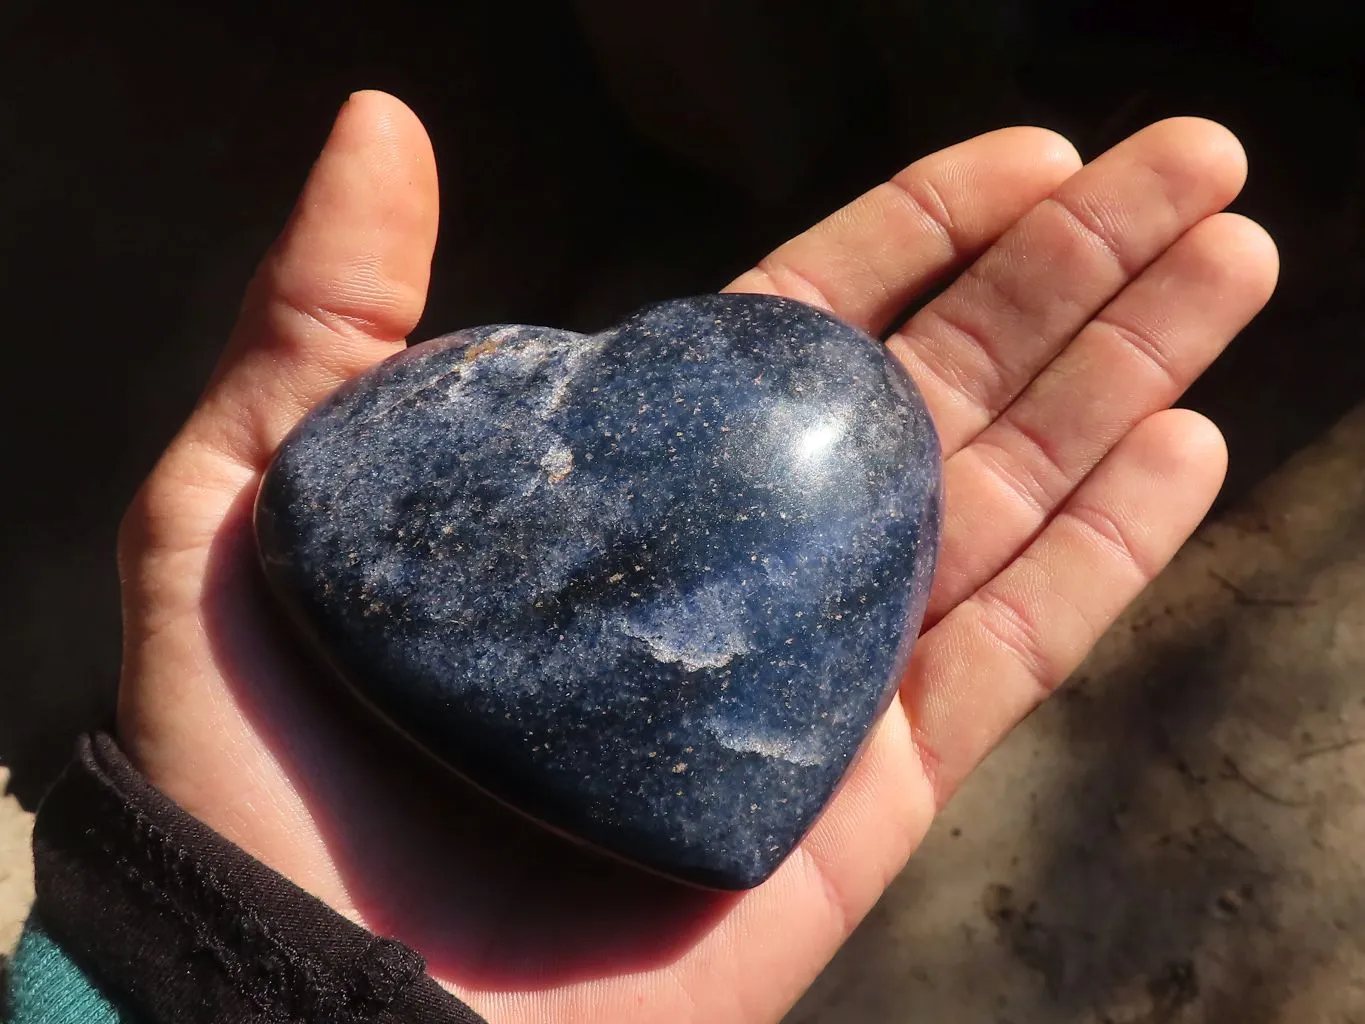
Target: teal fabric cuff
(46,986)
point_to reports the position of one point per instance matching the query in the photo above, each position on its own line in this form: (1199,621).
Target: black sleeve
(185,927)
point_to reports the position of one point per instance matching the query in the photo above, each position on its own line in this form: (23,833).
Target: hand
(1091,298)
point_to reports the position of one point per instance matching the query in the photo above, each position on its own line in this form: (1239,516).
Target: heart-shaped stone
(652,587)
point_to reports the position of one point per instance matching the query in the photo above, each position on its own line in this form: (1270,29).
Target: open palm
(1088,298)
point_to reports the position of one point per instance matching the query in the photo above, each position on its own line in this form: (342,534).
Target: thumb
(339,290)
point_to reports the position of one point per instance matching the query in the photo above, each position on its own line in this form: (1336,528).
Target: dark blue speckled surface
(652,587)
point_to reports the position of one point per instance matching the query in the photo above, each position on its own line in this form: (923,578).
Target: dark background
(594,156)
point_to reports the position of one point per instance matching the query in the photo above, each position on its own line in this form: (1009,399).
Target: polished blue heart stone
(651,587)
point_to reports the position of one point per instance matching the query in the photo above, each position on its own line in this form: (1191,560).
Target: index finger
(868,261)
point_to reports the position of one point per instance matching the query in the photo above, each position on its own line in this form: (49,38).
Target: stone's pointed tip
(650,587)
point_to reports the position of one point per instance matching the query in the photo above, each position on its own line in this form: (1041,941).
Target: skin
(1084,300)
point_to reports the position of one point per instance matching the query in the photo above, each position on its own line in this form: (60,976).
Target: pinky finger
(999,653)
